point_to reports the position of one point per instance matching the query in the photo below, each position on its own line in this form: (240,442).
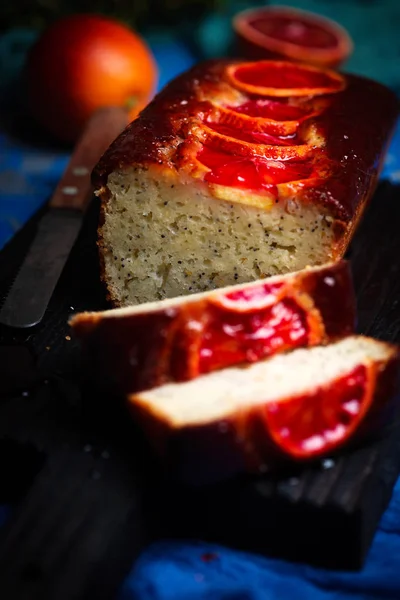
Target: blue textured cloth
(197,571)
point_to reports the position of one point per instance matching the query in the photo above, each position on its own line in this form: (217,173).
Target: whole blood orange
(84,62)
(285,32)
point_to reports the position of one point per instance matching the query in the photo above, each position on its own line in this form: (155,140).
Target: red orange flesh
(291,34)
(315,424)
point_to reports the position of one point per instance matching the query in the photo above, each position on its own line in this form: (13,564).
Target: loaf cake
(296,406)
(237,171)
(139,347)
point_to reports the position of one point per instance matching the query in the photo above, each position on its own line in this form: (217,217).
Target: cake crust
(139,348)
(357,124)
(264,437)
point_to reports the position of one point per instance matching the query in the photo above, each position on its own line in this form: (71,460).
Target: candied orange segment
(316,423)
(253,173)
(231,337)
(271,110)
(237,146)
(249,299)
(240,120)
(284,79)
(248,134)
(245,326)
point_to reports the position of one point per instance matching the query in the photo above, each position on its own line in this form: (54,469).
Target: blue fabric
(192,570)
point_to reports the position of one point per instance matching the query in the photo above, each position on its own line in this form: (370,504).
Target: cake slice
(140,347)
(238,171)
(297,406)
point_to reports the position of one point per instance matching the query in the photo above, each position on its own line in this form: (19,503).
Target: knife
(58,229)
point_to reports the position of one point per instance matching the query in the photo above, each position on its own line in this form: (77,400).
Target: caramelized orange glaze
(221,112)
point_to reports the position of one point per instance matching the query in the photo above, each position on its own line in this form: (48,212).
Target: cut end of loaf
(143,346)
(327,272)
(163,238)
(222,395)
(294,407)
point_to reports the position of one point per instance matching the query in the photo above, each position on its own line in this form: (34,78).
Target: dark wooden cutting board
(85,492)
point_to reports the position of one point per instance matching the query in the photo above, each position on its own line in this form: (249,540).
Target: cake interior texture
(218,395)
(163,237)
(178,301)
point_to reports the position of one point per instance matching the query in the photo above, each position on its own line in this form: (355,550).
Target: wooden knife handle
(74,189)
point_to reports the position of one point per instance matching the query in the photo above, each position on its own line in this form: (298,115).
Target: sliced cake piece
(295,406)
(144,346)
(238,171)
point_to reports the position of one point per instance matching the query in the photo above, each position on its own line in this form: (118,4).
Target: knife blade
(29,296)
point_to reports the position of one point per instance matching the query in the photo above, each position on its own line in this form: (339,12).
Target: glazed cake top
(267,129)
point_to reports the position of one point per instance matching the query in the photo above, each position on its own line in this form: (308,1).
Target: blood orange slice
(264,114)
(272,110)
(247,133)
(231,337)
(246,116)
(249,299)
(316,423)
(247,327)
(232,145)
(284,79)
(279,32)
(250,173)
